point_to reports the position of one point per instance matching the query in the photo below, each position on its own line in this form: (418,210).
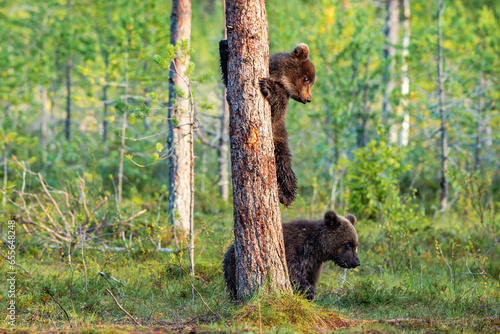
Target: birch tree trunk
(391,37)
(405,80)
(442,112)
(259,247)
(123,135)
(180,138)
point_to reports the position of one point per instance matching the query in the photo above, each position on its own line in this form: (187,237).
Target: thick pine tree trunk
(260,252)
(180,139)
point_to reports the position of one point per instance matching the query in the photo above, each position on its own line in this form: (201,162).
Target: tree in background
(391,41)
(223,149)
(442,111)
(180,138)
(259,247)
(404,135)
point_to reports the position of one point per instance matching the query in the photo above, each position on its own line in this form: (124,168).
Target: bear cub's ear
(301,52)
(351,218)
(331,219)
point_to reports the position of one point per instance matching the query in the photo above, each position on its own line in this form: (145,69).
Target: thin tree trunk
(43,120)
(479,134)
(180,139)
(105,98)
(68,100)
(106,78)
(122,141)
(259,247)
(391,37)
(5,178)
(366,109)
(442,112)
(223,151)
(405,80)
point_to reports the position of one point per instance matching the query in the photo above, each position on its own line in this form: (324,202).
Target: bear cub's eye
(307,79)
(349,245)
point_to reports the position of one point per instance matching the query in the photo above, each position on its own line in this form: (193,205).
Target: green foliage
(372,180)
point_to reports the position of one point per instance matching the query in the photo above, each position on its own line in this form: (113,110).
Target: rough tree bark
(223,151)
(260,252)
(442,112)
(180,138)
(392,37)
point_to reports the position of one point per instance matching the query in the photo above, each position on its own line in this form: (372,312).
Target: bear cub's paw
(266,86)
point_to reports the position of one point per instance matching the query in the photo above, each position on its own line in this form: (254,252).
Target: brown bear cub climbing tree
(291,76)
(307,245)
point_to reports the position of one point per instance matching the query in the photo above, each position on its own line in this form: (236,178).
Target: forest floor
(431,287)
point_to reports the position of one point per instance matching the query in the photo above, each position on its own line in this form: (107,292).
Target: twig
(451,273)
(15,263)
(392,321)
(134,216)
(490,247)
(204,140)
(121,308)
(473,277)
(95,210)
(55,204)
(82,240)
(47,291)
(344,280)
(84,197)
(199,294)
(105,276)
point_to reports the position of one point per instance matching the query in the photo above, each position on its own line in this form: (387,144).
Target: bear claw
(265,87)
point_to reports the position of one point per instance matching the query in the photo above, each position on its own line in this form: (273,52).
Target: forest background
(370,144)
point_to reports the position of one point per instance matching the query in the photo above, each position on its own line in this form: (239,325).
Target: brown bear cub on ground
(307,245)
(291,75)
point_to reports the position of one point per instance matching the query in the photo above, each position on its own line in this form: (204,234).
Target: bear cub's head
(295,71)
(339,240)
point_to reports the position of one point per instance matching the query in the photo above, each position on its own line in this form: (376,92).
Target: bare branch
(121,308)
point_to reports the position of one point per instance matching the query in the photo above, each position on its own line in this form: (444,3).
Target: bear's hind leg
(287,181)
(229,266)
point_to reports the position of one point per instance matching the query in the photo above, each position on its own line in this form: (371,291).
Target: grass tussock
(271,311)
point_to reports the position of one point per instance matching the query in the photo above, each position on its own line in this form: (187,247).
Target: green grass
(403,285)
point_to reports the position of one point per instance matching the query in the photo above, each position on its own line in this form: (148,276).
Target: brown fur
(291,76)
(307,245)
